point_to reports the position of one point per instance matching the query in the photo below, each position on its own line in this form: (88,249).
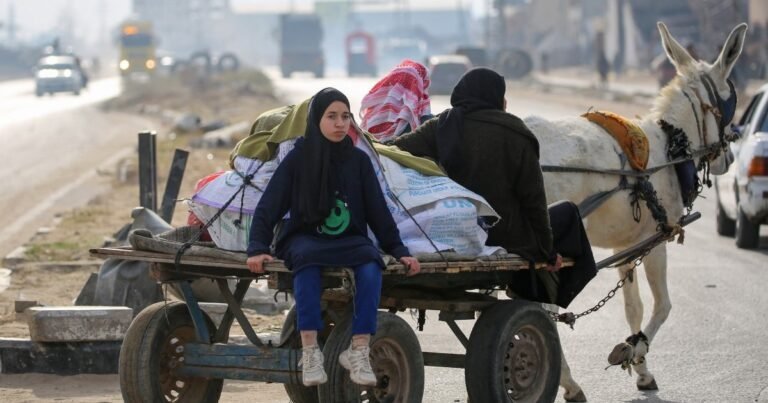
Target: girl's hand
(256,263)
(412,264)
(557,265)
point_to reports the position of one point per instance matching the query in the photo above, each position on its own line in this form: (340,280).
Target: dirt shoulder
(57,263)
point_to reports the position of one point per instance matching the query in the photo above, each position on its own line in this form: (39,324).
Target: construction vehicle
(137,48)
(301,37)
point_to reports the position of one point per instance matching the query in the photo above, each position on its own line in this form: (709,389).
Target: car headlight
(66,73)
(150,64)
(124,64)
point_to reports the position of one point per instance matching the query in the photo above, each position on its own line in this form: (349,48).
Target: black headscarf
(317,180)
(478,89)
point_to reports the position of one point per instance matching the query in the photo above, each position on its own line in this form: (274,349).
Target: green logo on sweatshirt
(337,221)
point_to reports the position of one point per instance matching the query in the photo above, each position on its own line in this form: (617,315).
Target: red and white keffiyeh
(396,101)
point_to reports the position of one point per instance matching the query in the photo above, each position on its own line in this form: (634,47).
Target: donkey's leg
(656,272)
(624,352)
(633,305)
(573,392)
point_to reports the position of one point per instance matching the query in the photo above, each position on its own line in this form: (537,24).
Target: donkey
(694,110)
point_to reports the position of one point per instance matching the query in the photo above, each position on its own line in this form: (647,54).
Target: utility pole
(11,23)
(101,42)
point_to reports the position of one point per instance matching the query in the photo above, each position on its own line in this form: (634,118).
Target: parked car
(61,73)
(742,192)
(445,72)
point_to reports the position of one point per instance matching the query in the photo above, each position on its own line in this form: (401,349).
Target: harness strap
(591,203)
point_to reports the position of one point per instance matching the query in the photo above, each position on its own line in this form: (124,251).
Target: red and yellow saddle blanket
(630,136)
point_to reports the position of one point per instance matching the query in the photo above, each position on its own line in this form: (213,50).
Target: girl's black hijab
(478,89)
(317,179)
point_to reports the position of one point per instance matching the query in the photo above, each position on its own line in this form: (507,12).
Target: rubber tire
(228,62)
(747,232)
(725,226)
(493,333)
(139,355)
(391,331)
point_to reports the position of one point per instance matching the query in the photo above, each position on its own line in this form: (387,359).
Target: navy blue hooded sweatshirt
(342,239)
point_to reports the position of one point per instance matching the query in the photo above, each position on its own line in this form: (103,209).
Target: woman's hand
(555,267)
(412,264)
(256,263)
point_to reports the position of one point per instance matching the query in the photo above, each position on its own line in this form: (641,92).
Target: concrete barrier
(19,356)
(78,323)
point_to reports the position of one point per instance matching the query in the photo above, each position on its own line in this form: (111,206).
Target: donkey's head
(705,96)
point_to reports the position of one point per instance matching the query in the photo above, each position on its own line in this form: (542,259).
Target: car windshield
(449,69)
(58,66)
(763,122)
(136,40)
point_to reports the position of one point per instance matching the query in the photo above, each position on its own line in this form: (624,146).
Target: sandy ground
(106,388)
(67,239)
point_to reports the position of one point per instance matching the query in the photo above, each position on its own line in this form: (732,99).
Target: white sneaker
(359,365)
(312,370)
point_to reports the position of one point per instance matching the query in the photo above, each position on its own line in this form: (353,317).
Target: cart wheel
(149,351)
(513,355)
(289,337)
(396,359)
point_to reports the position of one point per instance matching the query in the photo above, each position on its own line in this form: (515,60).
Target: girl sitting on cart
(331,191)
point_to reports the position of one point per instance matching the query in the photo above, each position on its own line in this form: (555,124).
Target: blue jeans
(307,290)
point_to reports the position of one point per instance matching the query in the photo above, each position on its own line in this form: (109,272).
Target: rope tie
(186,245)
(643,190)
(246,181)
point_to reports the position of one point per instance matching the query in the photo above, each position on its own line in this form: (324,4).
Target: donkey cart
(174,352)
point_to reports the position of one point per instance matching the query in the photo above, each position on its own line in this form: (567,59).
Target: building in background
(183,27)
(400,28)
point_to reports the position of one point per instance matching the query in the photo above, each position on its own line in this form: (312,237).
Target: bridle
(723,110)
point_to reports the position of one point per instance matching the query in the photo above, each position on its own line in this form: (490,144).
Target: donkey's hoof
(621,353)
(650,386)
(578,397)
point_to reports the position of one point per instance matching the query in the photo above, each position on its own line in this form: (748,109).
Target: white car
(58,74)
(742,192)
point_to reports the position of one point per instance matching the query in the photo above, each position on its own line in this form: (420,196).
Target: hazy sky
(39,17)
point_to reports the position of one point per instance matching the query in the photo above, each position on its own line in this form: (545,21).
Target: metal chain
(569,318)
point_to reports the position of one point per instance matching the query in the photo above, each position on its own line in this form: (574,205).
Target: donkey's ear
(675,52)
(731,50)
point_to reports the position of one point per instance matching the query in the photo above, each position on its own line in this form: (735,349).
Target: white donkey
(693,107)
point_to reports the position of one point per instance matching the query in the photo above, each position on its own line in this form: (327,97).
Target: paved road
(711,346)
(51,148)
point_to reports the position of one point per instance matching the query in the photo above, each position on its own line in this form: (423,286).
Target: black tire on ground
(150,344)
(396,359)
(513,355)
(747,232)
(228,62)
(725,226)
(514,63)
